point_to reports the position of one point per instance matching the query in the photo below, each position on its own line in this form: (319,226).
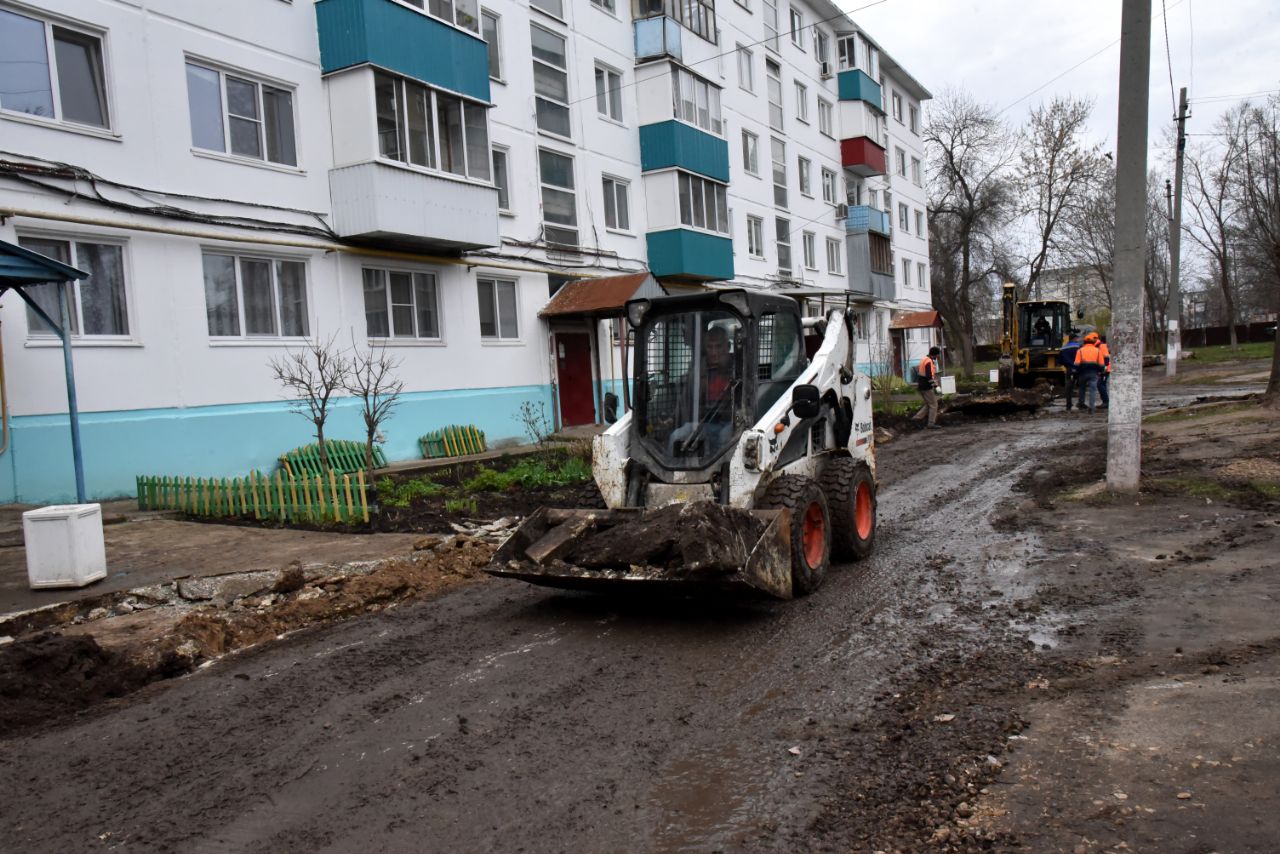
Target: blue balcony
(866,218)
(685,254)
(856,85)
(399,39)
(675,144)
(657,38)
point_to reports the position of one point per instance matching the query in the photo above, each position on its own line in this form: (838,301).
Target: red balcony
(862,156)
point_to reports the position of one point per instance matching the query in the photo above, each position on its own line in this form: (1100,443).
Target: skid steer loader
(746,462)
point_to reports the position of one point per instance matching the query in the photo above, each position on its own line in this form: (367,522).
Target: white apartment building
(242,177)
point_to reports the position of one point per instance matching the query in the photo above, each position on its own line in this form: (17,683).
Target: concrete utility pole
(1173,314)
(1124,422)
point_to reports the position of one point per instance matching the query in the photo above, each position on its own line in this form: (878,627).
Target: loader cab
(707,366)
(1043,325)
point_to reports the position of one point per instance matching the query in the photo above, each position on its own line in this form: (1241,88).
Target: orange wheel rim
(815,531)
(864,516)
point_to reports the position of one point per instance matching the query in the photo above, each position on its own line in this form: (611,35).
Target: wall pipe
(4,405)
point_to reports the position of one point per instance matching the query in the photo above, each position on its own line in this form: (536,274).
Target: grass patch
(392,494)
(528,473)
(460,505)
(1203,487)
(1190,414)
(1224,353)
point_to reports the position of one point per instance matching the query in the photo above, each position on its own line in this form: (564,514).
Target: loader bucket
(706,549)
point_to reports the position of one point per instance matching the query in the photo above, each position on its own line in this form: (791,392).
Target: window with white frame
(809,246)
(489,28)
(559,198)
(906,272)
(550,80)
(555,8)
(828,186)
(920,223)
(96,306)
(432,129)
(460,13)
(916,171)
(750,152)
(703,203)
(746,4)
(696,101)
(755,236)
(914,113)
(607,5)
(52,71)
(502,176)
(802,102)
(902,218)
(797,27)
(770,15)
(498,313)
(826,124)
(805,169)
(246,296)
(779,151)
(617,210)
(773,81)
(835,256)
(400,304)
(921,280)
(901,157)
(233,114)
(609,92)
(746,70)
(698,16)
(897,107)
(821,45)
(782,233)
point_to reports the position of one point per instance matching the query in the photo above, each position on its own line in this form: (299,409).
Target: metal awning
(916,320)
(20,269)
(600,298)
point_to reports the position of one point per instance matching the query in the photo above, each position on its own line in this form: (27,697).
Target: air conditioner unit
(826,70)
(842,211)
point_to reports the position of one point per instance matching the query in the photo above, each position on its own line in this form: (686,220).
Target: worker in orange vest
(1104,378)
(927,385)
(1090,364)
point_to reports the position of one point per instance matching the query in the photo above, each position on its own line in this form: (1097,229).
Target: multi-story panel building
(422,175)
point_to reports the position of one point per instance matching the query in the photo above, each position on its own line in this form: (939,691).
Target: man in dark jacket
(1067,358)
(927,384)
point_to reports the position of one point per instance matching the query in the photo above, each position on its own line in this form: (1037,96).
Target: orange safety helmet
(1091,338)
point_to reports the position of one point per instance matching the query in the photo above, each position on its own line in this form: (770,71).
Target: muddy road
(873,714)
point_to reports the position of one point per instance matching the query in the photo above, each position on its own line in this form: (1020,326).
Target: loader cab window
(693,364)
(1043,326)
(780,358)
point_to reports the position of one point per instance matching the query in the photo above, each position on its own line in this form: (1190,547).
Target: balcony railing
(698,16)
(866,218)
(862,156)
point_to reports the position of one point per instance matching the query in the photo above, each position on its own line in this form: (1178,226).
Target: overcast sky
(1001,50)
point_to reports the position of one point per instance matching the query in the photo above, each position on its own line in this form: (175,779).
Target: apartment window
(52,71)
(920,223)
(550,80)
(779,150)
(782,231)
(746,71)
(703,204)
(609,92)
(902,161)
(835,254)
(97,305)
(797,28)
(234,115)
(555,8)
(902,218)
(802,102)
(493,41)
(906,272)
(617,211)
(897,107)
(254,297)
(881,254)
(770,15)
(755,236)
(559,199)
(828,186)
(750,152)
(400,304)
(921,281)
(462,13)
(424,127)
(821,45)
(502,177)
(826,124)
(697,15)
(914,113)
(607,5)
(696,101)
(805,169)
(808,245)
(746,4)
(915,171)
(498,316)
(773,78)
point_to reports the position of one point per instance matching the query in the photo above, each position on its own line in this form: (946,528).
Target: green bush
(488,480)
(392,494)
(530,472)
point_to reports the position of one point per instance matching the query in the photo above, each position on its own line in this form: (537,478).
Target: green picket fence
(453,441)
(345,457)
(311,498)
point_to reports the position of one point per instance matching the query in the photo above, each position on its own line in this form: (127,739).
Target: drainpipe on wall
(4,404)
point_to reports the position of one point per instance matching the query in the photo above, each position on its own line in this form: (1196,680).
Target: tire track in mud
(506,717)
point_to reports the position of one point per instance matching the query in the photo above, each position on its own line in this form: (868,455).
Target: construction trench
(1022,665)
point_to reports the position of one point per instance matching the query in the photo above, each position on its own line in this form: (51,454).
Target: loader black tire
(851,497)
(810,528)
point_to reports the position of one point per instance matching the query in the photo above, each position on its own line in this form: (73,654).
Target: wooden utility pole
(1173,346)
(1124,416)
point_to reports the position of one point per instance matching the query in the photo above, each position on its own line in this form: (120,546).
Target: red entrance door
(897,352)
(573,371)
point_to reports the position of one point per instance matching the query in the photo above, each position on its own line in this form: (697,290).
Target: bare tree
(970,200)
(311,377)
(1210,182)
(1055,170)
(372,379)
(1157,273)
(1089,230)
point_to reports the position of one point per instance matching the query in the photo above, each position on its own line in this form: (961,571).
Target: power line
(1191,46)
(1234,97)
(1168,58)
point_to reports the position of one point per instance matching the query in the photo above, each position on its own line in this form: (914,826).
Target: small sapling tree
(311,376)
(372,378)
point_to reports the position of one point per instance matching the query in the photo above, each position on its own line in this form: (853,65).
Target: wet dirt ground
(1001,671)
